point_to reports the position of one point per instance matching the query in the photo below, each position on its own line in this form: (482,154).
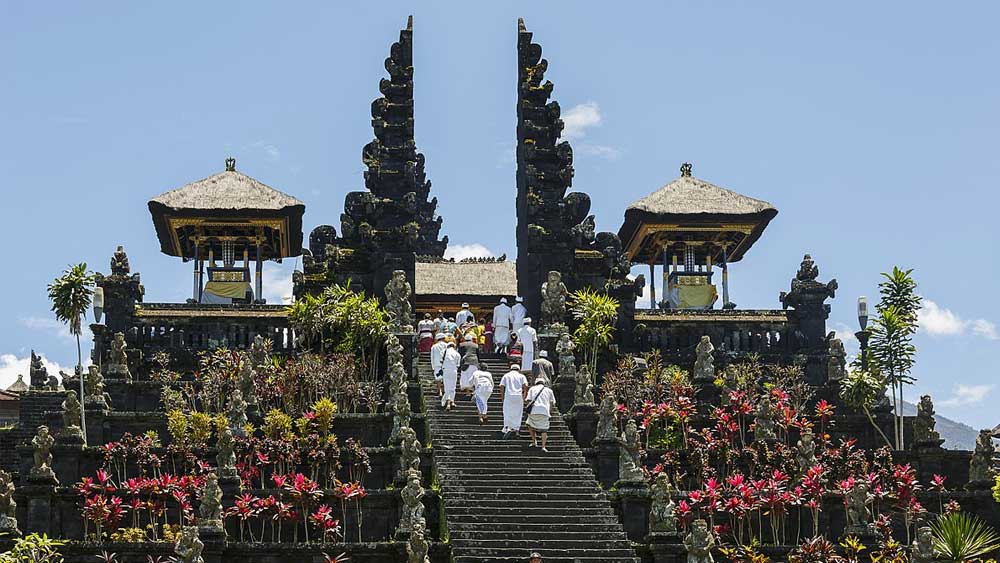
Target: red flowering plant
(347,492)
(322,519)
(937,484)
(245,507)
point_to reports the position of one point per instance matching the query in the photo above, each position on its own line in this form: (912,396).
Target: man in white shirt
(541,399)
(501,327)
(528,339)
(449,369)
(437,357)
(514,387)
(518,313)
(464,316)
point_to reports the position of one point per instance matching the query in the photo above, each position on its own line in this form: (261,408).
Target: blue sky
(872,127)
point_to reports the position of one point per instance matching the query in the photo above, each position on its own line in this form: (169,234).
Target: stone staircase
(503,499)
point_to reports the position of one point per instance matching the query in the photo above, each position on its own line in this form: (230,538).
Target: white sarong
(527,357)
(450,379)
(484,388)
(501,335)
(513,411)
(466,381)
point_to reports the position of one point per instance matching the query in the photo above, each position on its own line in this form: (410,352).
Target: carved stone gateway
(397,302)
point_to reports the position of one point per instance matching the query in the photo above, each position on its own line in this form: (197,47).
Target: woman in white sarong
(482,381)
(514,387)
(449,366)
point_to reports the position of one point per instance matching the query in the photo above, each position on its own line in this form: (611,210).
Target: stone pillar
(215,543)
(608,453)
(582,421)
(39,493)
(633,497)
(666,547)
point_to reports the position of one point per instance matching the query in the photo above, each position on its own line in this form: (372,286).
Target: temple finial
(686,169)
(409,23)
(520,25)
(230,164)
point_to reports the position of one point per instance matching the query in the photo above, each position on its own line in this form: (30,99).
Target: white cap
(468,338)
(543,354)
(519,299)
(503,300)
(527,320)
(439,336)
(450,343)
(465,305)
(515,366)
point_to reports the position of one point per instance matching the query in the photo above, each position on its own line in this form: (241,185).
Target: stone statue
(922,549)
(628,458)
(42,443)
(189,546)
(393,350)
(607,418)
(8,507)
(210,511)
(38,376)
(808,270)
(564,349)
(400,416)
(417,546)
(410,449)
(247,377)
(699,543)
(704,365)
(260,351)
(661,511)
(71,417)
(412,495)
(981,465)
(553,300)
(836,363)
(119,263)
(236,412)
(805,452)
(857,499)
(226,458)
(397,302)
(584,388)
(764,428)
(94,386)
(118,364)
(923,424)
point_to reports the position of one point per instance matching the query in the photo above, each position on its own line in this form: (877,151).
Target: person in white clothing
(437,358)
(464,316)
(541,399)
(482,382)
(529,340)
(449,369)
(518,313)
(514,387)
(501,327)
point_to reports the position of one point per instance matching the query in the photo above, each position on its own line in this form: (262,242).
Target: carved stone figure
(410,448)
(856,499)
(42,443)
(922,549)
(247,381)
(764,428)
(699,543)
(584,388)
(397,302)
(38,376)
(981,465)
(226,458)
(417,546)
(704,365)
(210,511)
(805,452)
(412,495)
(662,507)
(564,349)
(400,416)
(236,412)
(553,300)
(94,387)
(71,417)
(189,546)
(607,419)
(836,363)
(260,351)
(119,263)
(8,507)
(923,424)
(118,364)
(628,459)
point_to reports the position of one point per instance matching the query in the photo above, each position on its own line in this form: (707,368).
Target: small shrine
(691,226)
(223,222)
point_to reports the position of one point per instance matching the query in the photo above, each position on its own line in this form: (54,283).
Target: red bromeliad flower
(937,482)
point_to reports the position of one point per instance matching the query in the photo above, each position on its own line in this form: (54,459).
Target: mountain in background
(957,435)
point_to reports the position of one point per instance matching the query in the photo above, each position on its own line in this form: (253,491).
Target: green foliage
(177,426)
(71,295)
(201,429)
(596,313)
(860,390)
(996,488)
(34,548)
(960,536)
(277,424)
(324,410)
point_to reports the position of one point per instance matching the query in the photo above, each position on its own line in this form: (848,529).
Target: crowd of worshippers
(454,345)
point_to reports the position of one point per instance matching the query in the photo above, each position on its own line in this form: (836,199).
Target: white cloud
(600,151)
(579,118)
(54,327)
(276,283)
(11,366)
(461,251)
(270,151)
(964,395)
(844,333)
(940,321)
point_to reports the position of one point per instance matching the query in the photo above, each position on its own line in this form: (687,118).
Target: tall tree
(71,295)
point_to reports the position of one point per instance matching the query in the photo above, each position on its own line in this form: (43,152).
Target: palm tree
(71,295)
(596,313)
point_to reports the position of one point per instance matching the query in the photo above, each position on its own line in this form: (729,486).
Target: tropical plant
(596,313)
(960,537)
(71,295)
(861,390)
(34,548)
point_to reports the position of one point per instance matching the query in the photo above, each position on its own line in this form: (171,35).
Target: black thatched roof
(488,279)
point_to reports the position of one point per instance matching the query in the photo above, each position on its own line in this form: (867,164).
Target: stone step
(548,558)
(522,549)
(582,535)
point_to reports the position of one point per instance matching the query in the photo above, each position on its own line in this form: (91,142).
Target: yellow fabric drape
(232,290)
(696,296)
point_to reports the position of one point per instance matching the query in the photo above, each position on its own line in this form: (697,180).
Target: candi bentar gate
(438,486)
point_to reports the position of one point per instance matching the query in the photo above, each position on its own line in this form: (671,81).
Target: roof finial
(409,23)
(520,25)
(230,164)
(686,169)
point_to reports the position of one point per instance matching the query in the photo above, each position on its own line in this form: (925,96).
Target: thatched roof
(466,278)
(229,190)
(688,195)
(18,386)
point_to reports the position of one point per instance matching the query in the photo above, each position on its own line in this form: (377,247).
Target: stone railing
(735,333)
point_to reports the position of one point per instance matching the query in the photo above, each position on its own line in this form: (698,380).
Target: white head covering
(451,344)
(439,336)
(527,320)
(543,354)
(468,338)
(465,305)
(519,299)
(503,300)
(515,366)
